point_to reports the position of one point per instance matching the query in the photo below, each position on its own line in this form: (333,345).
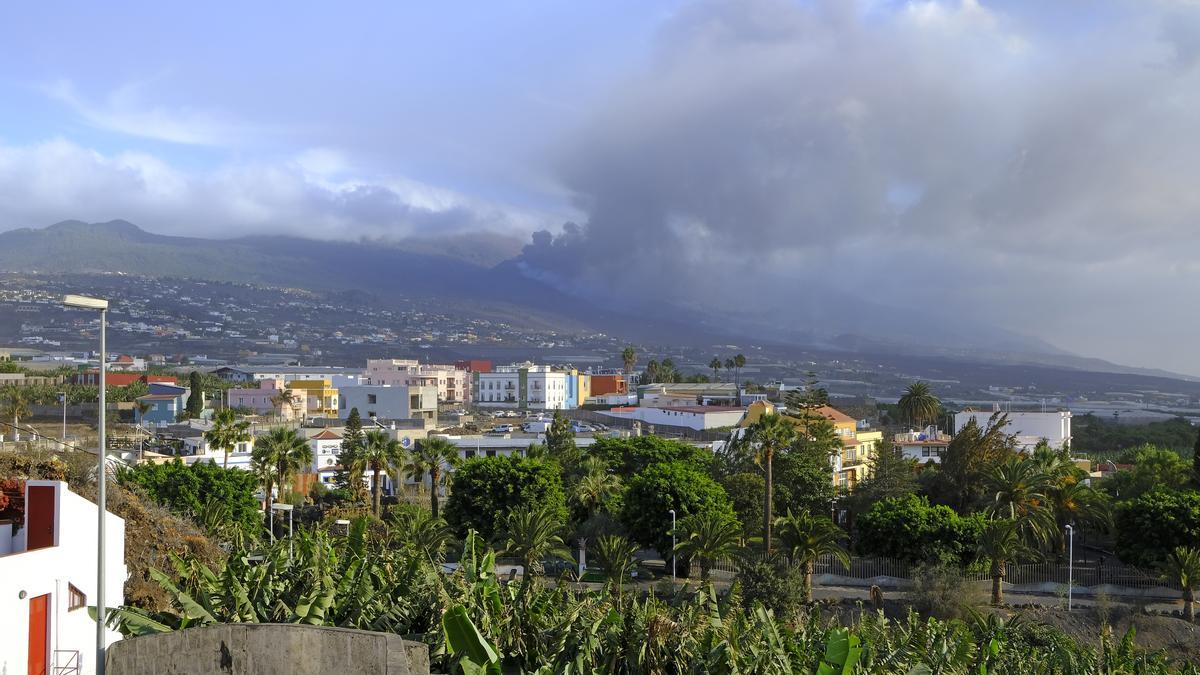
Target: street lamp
(672,512)
(62,396)
(96,304)
(1070,564)
(288,508)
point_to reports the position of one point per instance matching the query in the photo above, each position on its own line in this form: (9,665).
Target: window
(77,599)
(371,414)
(469,454)
(490,453)
(924,452)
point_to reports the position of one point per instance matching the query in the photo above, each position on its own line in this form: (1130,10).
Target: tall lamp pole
(62,396)
(1070,564)
(83,302)
(672,545)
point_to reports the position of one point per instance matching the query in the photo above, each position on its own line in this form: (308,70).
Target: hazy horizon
(1024,165)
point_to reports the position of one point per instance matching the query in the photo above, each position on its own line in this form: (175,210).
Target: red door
(39,634)
(41,517)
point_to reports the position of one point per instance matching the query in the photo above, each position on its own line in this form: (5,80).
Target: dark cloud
(947,158)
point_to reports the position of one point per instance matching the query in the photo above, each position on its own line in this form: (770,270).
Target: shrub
(773,584)
(486,489)
(910,529)
(674,485)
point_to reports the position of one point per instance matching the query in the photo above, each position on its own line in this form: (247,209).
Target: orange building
(603,385)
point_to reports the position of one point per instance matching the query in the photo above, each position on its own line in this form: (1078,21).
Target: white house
(522,386)
(693,417)
(1029,427)
(48,580)
(386,402)
(927,445)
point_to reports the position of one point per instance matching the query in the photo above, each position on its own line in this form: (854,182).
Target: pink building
(269,398)
(453,384)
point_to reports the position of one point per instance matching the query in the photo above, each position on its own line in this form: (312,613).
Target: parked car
(503,428)
(581,428)
(535,427)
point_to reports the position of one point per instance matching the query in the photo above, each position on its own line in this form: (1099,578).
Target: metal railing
(73,664)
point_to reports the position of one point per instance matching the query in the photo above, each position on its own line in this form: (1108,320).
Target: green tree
(803,480)
(533,534)
(768,435)
(746,492)
(715,365)
(709,537)
(804,537)
(381,455)
(14,404)
(631,456)
(652,494)
(486,489)
(276,457)
(1152,525)
(194,407)
(910,529)
(1002,541)
(415,528)
(1153,469)
(615,554)
(1196,462)
(560,442)
(186,489)
(595,490)
(1183,567)
(959,480)
(918,405)
(1019,491)
(227,432)
(629,359)
(431,456)
(889,475)
(349,477)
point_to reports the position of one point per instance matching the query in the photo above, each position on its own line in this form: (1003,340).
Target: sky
(1023,165)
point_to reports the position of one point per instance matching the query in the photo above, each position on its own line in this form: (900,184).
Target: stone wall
(268,649)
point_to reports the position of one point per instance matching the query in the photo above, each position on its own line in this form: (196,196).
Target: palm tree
(285,398)
(739,362)
(1000,542)
(227,432)
(715,364)
(15,406)
(1183,567)
(277,457)
(629,359)
(380,454)
(532,535)
(919,405)
(616,555)
(1078,504)
(1019,493)
(804,538)
(770,434)
(711,536)
(595,489)
(416,527)
(430,456)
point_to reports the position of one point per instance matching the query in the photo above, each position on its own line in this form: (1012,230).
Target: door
(41,517)
(39,634)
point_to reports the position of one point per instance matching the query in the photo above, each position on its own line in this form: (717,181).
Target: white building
(927,445)
(338,377)
(48,580)
(386,402)
(1029,427)
(522,386)
(453,384)
(693,417)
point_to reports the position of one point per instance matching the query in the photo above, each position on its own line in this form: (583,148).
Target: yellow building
(320,397)
(852,464)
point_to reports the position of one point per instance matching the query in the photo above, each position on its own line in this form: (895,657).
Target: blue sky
(1025,164)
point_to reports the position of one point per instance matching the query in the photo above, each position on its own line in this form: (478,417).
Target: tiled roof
(327,435)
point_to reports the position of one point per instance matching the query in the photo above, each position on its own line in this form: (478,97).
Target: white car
(503,428)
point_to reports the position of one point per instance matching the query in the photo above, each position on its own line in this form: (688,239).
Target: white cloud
(125,110)
(317,194)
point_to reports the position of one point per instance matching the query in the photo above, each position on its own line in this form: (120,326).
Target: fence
(1112,575)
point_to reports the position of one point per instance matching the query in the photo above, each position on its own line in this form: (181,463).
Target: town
(631,474)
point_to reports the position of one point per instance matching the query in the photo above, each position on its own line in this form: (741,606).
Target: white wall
(49,570)
(681,418)
(1029,427)
(390,402)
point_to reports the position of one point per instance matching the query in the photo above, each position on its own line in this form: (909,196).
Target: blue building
(166,403)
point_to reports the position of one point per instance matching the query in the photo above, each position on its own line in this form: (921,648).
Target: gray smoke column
(949,158)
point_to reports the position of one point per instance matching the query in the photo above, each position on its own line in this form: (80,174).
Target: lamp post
(62,396)
(288,508)
(101,306)
(1070,564)
(672,545)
